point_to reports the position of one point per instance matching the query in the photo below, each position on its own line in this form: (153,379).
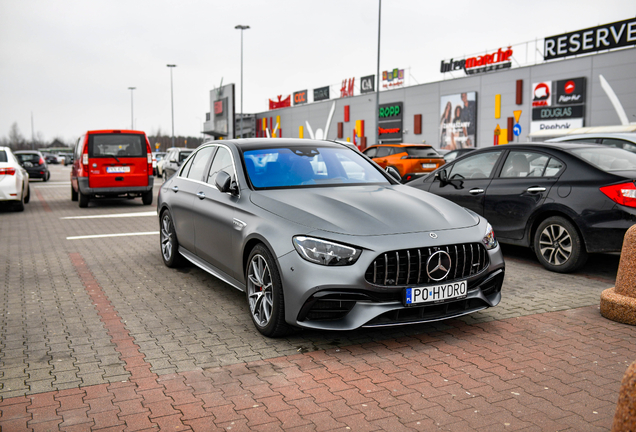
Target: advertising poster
(458,122)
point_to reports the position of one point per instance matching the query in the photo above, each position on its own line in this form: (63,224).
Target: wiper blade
(112,155)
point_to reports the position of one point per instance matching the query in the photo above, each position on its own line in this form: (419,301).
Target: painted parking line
(114,215)
(112,235)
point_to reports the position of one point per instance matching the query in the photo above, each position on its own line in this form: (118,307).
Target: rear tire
(83,199)
(73,194)
(265,293)
(27,198)
(558,245)
(47,176)
(19,206)
(146,197)
(169,243)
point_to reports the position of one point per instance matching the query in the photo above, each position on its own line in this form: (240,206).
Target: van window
(119,145)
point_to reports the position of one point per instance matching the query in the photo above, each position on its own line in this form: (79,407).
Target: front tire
(168,241)
(558,245)
(265,293)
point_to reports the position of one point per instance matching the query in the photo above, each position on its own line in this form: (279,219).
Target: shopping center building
(585,78)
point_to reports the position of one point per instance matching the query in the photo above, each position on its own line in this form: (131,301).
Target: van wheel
(146,197)
(73,194)
(559,246)
(83,199)
(168,242)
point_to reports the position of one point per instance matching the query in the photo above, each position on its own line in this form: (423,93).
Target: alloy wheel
(166,237)
(259,290)
(555,244)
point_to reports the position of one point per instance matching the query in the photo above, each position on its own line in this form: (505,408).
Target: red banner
(281,103)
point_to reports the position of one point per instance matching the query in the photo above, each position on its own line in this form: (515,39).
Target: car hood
(365,210)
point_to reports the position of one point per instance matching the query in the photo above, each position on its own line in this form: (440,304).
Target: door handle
(175,188)
(476,191)
(535,189)
(201,195)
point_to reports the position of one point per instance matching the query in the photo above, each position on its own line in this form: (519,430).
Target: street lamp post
(171,66)
(242,27)
(377,89)
(132,122)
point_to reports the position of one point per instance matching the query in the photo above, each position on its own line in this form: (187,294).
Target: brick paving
(99,335)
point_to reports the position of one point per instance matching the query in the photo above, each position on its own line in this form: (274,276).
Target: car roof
(26,152)
(275,142)
(628,136)
(402,145)
(110,131)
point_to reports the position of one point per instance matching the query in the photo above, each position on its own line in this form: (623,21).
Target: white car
(14,180)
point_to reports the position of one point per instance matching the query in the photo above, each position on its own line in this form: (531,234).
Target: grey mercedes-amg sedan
(319,236)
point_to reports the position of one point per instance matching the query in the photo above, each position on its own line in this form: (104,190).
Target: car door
(467,180)
(213,213)
(518,190)
(182,190)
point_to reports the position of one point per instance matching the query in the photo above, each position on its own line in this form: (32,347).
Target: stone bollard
(625,417)
(619,303)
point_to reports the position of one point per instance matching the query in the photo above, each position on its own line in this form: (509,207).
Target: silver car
(319,236)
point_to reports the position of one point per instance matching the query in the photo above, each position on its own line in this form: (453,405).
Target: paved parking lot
(97,334)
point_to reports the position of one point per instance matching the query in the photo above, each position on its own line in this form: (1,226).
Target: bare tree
(16,140)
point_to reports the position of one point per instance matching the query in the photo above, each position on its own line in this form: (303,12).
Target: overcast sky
(70,63)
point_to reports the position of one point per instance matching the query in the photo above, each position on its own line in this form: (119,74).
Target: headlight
(325,252)
(489,238)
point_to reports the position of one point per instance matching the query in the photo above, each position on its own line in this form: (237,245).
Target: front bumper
(340,298)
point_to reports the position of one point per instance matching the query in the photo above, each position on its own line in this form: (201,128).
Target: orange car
(411,160)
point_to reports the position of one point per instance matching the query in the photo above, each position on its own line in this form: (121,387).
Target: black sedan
(562,200)
(33,161)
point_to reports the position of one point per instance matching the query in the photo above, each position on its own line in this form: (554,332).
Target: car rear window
(119,145)
(28,157)
(608,159)
(422,152)
(3,156)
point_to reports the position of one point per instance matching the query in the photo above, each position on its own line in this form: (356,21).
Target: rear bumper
(82,183)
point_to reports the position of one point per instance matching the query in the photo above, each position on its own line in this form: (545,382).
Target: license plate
(435,293)
(117,169)
(427,166)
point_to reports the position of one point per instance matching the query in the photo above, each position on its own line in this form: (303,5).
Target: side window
(478,166)
(620,144)
(222,162)
(524,164)
(397,150)
(183,172)
(553,168)
(371,152)
(383,151)
(198,164)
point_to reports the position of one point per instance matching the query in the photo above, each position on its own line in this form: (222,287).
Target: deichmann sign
(473,65)
(321,93)
(367,84)
(390,122)
(608,36)
(300,97)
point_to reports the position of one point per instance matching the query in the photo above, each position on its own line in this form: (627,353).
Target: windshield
(309,166)
(608,159)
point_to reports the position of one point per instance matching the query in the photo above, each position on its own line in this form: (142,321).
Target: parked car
(112,163)
(454,154)
(14,180)
(410,160)
(626,140)
(33,161)
(319,237)
(51,159)
(173,160)
(563,200)
(156,158)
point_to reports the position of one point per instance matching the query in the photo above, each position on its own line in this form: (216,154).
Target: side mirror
(224,183)
(442,176)
(393,173)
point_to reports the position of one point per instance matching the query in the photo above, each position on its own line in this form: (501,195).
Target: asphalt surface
(92,327)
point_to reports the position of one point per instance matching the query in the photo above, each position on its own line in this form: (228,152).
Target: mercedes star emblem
(433,235)
(438,265)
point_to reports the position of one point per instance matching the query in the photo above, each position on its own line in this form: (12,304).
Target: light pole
(242,27)
(171,66)
(377,89)
(132,122)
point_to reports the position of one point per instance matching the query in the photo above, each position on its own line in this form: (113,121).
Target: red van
(112,163)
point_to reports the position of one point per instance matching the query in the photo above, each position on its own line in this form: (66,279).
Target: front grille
(408,266)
